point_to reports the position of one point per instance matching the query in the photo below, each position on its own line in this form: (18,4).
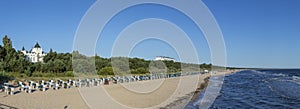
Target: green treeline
(14,63)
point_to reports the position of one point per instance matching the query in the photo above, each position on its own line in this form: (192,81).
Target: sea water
(260,89)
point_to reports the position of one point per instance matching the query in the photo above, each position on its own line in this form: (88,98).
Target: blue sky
(257,33)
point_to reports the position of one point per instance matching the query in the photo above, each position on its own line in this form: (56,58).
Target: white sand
(50,99)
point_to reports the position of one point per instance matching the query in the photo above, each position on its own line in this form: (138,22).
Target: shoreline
(181,100)
(202,85)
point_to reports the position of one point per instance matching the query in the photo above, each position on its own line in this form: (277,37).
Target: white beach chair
(10,91)
(42,82)
(79,84)
(5,89)
(69,85)
(55,86)
(42,87)
(35,85)
(27,89)
(97,83)
(30,83)
(51,81)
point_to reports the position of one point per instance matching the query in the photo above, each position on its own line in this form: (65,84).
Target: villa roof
(37,45)
(164,57)
(23,49)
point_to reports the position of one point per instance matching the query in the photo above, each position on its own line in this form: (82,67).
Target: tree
(9,55)
(59,66)
(101,63)
(50,56)
(142,70)
(106,71)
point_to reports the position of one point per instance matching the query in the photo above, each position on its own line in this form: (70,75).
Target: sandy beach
(160,93)
(50,99)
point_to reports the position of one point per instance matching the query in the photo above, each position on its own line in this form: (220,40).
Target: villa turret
(37,45)
(23,50)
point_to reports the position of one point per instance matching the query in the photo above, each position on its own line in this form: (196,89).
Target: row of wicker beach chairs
(29,86)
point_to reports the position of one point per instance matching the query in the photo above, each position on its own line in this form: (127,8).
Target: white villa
(36,54)
(164,58)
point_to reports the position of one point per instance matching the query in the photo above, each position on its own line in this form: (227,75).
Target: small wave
(258,72)
(296,78)
(279,74)
(270,73)
(270,87)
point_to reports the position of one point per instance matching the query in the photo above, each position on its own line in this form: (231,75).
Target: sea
(256,89)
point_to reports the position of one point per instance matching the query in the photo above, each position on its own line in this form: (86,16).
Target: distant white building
(36,54)
(164,58)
